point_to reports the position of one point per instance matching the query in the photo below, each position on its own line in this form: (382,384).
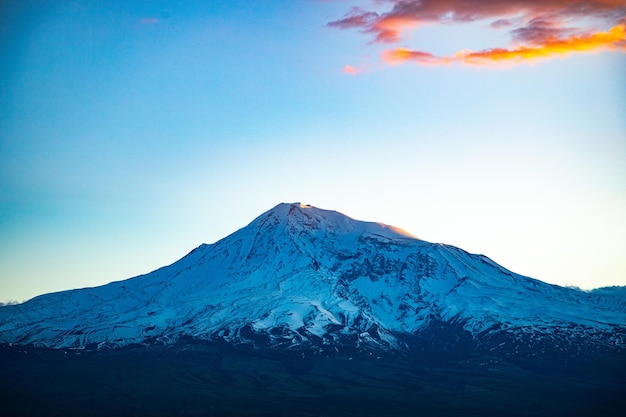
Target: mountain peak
(306,217)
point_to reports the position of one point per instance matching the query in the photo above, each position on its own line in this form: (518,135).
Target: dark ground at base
(212,380)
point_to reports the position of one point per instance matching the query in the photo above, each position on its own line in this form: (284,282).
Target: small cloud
(541,30)
(349,69)
(501,23)
(388,29)
(149,20)
(400,55)
(354,19)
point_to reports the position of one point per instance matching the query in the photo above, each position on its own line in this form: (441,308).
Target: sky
(132,132)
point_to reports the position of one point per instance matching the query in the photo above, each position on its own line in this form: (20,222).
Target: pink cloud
(349,69)
(533,24)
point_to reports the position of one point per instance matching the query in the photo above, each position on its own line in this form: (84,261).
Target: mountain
(307,312)
(299,277)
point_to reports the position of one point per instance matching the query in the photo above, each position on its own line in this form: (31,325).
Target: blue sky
(130,134)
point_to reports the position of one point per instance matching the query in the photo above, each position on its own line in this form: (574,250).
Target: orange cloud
(538,28)
(400,55)
(613,39)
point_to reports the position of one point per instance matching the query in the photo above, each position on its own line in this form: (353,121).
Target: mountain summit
(300,277)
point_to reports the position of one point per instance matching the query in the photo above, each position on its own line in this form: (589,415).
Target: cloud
(424,58)
(541,30)
(149,20)
(538,28)
(385,29)
(349,69)
(153,20)
(355,18)
(501,23)
(611,40)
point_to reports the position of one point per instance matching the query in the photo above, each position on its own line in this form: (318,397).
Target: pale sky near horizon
(132,133)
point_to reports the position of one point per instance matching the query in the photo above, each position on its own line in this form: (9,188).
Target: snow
(298,269)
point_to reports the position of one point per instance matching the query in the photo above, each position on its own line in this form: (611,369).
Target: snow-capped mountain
(300,276)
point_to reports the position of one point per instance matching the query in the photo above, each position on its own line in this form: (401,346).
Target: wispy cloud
(538,28)
(614,39)
(349,69)
(399,55)
(149,20)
